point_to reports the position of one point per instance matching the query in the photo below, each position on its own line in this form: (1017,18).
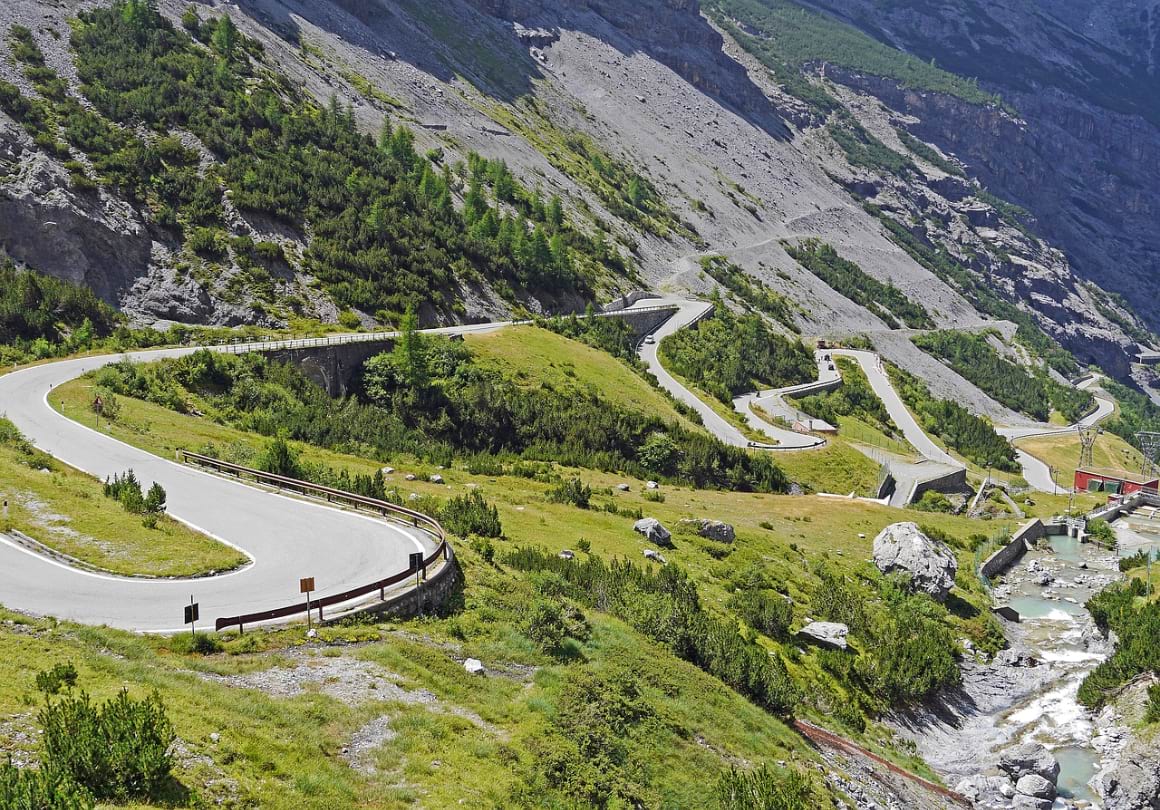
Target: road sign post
(306,585)
(192,614)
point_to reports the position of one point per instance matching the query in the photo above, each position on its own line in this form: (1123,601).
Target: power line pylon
(1087,440)
(1149,442)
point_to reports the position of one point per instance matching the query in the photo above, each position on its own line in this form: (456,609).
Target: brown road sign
(306,585)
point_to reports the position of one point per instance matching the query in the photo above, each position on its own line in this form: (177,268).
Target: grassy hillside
(788,542)
(537,357)
(65,509)
(1062,453)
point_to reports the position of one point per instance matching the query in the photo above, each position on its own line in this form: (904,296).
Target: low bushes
(971,436)
(469,514)
(664,605)
(765,789)
(885,300)
(573,491)
(1137,626)
(1032,393)
(127,490)
(116,751)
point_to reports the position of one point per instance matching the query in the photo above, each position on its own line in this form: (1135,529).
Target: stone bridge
(334,363)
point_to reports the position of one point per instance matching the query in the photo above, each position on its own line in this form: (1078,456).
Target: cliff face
(1084,154)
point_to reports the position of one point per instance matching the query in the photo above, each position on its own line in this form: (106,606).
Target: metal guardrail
(384,508)
(241,346)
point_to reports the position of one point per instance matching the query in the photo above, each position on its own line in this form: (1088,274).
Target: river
(1028,693)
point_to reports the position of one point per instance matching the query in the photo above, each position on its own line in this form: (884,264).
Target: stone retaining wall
(431,597)
(1008,555)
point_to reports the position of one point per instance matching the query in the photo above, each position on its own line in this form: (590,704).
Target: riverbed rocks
(1036,786)
(930,563)
(1012,657)
(1133,783)
(826,634)
(710,529)
(654,532)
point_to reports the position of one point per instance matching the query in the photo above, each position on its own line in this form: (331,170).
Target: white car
(650,339)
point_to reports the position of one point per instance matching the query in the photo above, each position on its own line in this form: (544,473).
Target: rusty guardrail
(384,508)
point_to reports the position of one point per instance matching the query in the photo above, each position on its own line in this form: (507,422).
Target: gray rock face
(1134,783)
(1029,758)
(826,634)
(712,529)
(931,564)
(654,532)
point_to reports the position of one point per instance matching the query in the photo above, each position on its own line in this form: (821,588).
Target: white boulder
(930,563)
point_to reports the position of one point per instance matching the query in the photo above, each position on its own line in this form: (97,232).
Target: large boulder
(711,529)
(930,563)
(654,532)
(1032,784)
(826,634)
(1029,758)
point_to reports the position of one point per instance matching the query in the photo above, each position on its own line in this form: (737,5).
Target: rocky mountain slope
(1081,153)
(667,140)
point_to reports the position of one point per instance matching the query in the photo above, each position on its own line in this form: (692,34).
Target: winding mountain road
(288,538)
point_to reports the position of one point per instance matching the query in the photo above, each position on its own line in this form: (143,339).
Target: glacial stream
(1058,632)
(1028,693)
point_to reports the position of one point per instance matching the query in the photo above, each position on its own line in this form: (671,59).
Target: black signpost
(192,615)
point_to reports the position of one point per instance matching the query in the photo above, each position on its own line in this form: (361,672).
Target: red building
(1113,482)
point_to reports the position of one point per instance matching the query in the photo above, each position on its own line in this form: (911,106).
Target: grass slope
(1062,453)
(65,509)
(538,357)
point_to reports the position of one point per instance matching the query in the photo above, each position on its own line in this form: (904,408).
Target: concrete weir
(1029,533)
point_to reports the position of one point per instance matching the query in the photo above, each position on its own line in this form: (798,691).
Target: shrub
(61,676)
(127,490)
(485,550)
(43,789)
(194,644)
(664,605)
(573,491)
(155,499)
(771,613)
(884,300)
(765,789)
(1137,560)
(1152,712)
(545,625)
(1031,392)
(932,501)
(118,751)
(471,514)
(728,355)
(280,459)
(1102,532)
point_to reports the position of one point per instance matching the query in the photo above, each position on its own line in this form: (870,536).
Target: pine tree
(225,37)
